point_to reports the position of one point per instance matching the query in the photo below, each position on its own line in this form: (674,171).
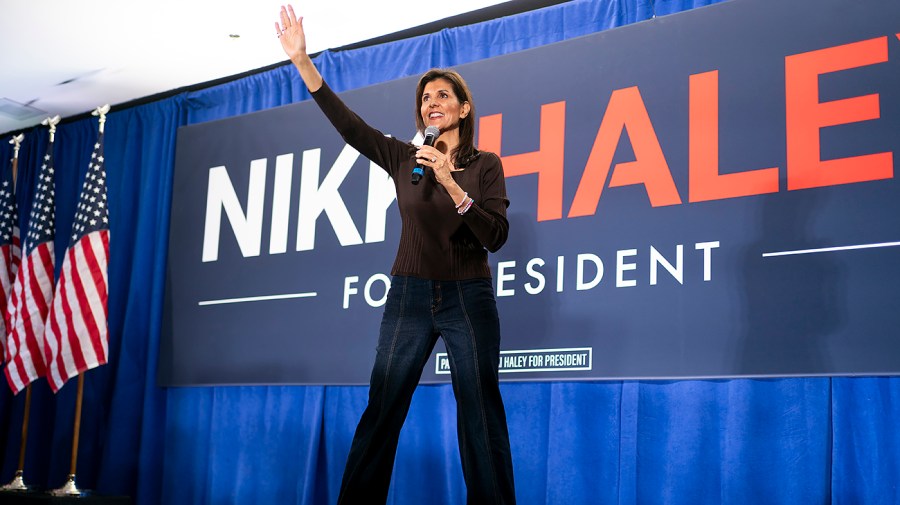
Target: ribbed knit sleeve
(487,217)
(370,142)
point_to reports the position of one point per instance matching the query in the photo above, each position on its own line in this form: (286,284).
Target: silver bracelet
(461,202)
(466,208)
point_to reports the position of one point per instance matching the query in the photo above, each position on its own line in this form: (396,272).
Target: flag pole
(18,482)
(69,488)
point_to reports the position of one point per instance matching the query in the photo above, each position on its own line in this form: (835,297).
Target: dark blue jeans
(417,311)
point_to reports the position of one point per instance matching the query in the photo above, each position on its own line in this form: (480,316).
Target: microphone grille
(433,131)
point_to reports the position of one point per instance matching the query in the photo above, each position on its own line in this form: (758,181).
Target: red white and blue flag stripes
(75,338)
(10,247)
(33,287)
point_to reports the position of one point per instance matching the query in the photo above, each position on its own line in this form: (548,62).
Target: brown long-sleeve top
(435,241)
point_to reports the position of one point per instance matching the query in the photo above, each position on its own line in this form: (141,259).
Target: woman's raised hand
(293,41)
(290,33)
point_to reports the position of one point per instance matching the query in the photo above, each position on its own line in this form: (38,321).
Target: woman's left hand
(290,33)
(429,156)
(441,165)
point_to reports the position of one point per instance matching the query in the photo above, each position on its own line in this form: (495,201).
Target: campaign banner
(703,195)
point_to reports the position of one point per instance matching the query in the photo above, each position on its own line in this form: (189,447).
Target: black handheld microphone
(431,134)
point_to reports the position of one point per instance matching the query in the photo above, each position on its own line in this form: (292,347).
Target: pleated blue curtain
(790,441)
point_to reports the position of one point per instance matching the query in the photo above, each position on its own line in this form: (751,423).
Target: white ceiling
(67,57)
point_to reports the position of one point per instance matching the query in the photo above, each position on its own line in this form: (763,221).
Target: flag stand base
(17,484)
(69,488)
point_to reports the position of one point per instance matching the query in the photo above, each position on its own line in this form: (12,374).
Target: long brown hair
(466,148)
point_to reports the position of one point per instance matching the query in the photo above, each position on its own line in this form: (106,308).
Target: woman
(441,283)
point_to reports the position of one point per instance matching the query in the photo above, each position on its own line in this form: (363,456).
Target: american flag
(76,336)
(33,287)
(10,252)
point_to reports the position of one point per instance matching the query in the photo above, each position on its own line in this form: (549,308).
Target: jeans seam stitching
(387,374)
(386,379)
(479,389)
(465,454)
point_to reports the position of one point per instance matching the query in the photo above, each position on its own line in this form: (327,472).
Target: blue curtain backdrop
(790,441)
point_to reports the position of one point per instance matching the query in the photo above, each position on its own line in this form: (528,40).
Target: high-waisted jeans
(417,311)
